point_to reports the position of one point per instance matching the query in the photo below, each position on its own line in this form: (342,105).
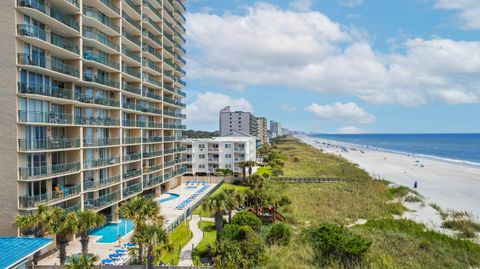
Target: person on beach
(415,184)
(119,240)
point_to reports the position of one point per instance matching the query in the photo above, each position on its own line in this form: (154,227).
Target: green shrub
(246,218)
(284,200)
(279,234)
(335,244)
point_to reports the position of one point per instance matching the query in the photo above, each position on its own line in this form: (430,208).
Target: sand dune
(452,186)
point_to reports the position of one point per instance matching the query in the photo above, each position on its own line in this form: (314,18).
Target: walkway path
(186,253)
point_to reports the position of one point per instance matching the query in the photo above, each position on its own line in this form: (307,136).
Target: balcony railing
(99,16)
(44,117)
(131,174)
(100,142)
(132,140)
(133,55)
(102,201)
(37,32)
(102,38)
(131,20)
(134,123)
(131,71)
(152,65)
(152,139)
(132,157)
(103,81)
(152,154)
(147,93)
(132,189)
(153,168)
(45,90)
(49,197)
(50,11)
(99,58)
(134,39)
(48,171)
(151,50)
(92,185)
(129,88)
(81,120)
(52,64)
(133,6)
(152,23)
(98,100)
(100,162)
(111,5)
(150,182)
(48,144)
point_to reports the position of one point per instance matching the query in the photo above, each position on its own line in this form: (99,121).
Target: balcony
(152,139)
(132,174)
(48,144)
(152,95)
(134,123)
(131,71)
(152,169)
(100,58)
(100,142)
(93,13)
(49,197)
(152,154)
(87,164)
(131,38)
(44,117)
(130,20)
(155,125)
(48,171)
(132,189)
(44,90)
(81,120)
(52,64)
(102,201)
(168,163)
(97,100)
(132,89)
(151,182)
(104,81)
(129,157)
(27,30)
(149,49)
(111,5)
(150,79)
(153,66)
(97,184)
(132,140)
(101,38)
(133,6)
(50,12)
(152,23)
(132,55)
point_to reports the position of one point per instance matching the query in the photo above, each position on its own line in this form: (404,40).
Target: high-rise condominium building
(91,103)
(275,129)
(237,121)
(262,123)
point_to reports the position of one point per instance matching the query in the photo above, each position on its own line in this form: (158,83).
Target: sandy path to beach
(452,186)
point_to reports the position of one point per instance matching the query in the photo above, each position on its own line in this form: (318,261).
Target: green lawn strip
(209,236)
(264,170)
(179,238)
(241,189)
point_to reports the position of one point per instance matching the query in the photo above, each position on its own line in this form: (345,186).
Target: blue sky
(337,66)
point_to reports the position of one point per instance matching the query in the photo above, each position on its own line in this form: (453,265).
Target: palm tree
(243,165)
(155,239)
(81,262)
(233,201)
(250,165)
(62,224)
(140,210)
(216,204)
(224,172)
(36,224)
(87,220)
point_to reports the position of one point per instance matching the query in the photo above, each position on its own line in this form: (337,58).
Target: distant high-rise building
(237,121)
(275,128)
(263,130)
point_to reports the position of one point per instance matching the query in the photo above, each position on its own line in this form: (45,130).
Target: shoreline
(451,185)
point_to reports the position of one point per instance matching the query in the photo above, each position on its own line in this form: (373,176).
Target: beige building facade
(91,103)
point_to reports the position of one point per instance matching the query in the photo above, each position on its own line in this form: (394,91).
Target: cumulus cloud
(288,108)
(350,130)
(205,109)
(348,112)
(351,3)
(468,11)
(302,5)
(307,50)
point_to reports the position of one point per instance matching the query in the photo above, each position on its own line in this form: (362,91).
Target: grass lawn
(209,237)
(240,189)
(264,170)
(396,243)
(179,237)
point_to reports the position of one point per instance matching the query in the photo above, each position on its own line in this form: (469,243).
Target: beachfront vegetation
(81,261)
(245,218)
(209,236)
(86,221)
(238,189)
(462,222)
(180,238)
(62,225)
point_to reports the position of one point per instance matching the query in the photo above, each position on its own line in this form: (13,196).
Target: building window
(228,166)
(201,146)
(201,166)
(228,156)
(228,146)
(201,156)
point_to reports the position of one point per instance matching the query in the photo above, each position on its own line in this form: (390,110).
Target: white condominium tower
(91,103)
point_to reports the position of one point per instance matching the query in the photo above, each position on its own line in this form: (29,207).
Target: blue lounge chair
(107,262)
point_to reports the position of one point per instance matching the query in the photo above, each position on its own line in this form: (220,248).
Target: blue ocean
(451,147)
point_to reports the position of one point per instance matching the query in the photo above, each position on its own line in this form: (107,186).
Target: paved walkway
(186,253)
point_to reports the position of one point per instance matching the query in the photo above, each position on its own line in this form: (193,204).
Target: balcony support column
(115,214)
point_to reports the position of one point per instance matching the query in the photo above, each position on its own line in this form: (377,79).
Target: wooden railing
(311,180)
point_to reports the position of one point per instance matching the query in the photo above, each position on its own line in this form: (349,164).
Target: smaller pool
(109,233)
(172,196)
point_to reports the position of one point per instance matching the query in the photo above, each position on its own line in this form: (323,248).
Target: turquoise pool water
(109,233)
(172,196)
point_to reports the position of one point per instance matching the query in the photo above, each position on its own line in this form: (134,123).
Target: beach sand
(452,186)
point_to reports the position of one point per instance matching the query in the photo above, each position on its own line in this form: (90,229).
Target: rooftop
(17,249)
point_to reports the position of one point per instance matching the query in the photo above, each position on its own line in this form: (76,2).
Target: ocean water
(464,148)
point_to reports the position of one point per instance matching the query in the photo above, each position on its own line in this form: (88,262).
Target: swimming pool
(109,233)
(172,196)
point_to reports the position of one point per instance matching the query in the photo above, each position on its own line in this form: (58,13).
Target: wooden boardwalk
(311,180)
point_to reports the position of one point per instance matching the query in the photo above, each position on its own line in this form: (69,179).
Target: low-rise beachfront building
(91,103)
(206,156)
(17,252)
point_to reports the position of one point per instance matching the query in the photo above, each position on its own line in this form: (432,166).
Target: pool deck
(102,250)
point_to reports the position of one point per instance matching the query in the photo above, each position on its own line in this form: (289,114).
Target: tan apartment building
(91,103)
(263,130)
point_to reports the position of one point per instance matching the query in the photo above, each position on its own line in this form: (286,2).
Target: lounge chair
(107,262)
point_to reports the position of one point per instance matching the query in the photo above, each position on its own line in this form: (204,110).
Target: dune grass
(209,236)
(179,237)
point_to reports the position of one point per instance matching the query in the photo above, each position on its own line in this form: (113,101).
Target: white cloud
(205,109)
(468,11)
(455,96)
(350,130)
(288,108)
(351,3)
(302,5)
(307,50)
(348,112)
